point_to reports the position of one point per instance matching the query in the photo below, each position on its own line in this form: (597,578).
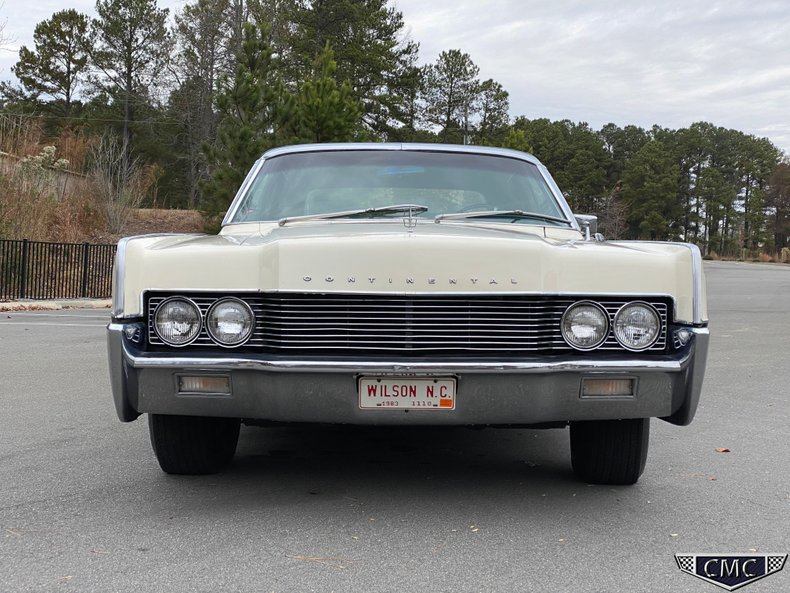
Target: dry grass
(32,208)
(153,220)
(21,136)
(75,147)
(74,188)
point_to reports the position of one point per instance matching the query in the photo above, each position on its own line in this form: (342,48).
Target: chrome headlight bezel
(249,333)
(659,326)
(189,302)
(604,333)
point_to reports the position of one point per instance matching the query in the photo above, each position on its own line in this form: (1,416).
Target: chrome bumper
(528,391)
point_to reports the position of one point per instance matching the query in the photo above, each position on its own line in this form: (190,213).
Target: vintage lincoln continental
(406,284)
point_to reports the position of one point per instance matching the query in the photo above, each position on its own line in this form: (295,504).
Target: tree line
(202,94)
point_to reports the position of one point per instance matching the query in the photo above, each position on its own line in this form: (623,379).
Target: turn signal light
(204,384)
(607,387)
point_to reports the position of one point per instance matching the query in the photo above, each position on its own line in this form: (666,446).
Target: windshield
(314,183)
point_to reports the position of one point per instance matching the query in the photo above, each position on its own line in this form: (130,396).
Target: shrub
(40,201)
(120,184)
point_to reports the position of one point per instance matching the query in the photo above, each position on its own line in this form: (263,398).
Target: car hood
(387,257)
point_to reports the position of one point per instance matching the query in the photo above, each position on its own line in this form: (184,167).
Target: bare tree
(613,215)
(201,37)
(120,185)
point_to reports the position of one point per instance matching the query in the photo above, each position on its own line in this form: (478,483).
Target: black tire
(610,451)
(193,445)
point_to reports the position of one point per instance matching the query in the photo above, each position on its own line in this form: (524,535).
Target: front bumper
(529,391)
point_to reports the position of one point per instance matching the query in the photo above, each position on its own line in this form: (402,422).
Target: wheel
(193,445)
(609,451)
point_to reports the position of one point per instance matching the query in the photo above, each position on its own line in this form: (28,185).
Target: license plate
(407,393)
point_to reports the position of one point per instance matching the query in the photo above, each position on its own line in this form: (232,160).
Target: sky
(644,62)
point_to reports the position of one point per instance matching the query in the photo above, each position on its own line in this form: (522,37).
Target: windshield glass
(311,183)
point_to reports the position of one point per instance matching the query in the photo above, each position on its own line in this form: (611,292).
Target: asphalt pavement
(84,506)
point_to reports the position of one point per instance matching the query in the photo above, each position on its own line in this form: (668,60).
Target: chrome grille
(341,324)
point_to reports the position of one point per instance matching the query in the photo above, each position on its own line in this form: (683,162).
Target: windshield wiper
(514,214)
(362,212)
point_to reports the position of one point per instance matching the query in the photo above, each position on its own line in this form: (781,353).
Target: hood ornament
(410,221)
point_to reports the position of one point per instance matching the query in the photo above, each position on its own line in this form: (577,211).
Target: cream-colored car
(394,284)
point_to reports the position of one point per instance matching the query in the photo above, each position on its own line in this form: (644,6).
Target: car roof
(456,148)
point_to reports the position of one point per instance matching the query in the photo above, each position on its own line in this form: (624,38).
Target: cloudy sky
(669,62)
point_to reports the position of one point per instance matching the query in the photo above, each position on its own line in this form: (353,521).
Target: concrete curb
(56,305)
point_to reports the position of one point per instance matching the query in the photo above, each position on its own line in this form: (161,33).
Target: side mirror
(588,224)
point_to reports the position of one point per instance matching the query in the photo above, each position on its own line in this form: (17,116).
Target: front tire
(193,445)
(610,451)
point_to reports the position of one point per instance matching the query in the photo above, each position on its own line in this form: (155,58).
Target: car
(406,284)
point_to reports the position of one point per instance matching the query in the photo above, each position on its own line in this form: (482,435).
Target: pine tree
(650,193)
(574,154)
(716,193)
(251,107)
(493,106)
(451,88)
(621,144)
(324,110)
(57,63)
(132,43)
(371,51)
(201,53)
(779,200)
(517,140)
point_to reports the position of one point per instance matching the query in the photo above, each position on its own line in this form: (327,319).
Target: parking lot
(84,506)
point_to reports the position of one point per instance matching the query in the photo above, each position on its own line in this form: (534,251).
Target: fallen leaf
(722,450)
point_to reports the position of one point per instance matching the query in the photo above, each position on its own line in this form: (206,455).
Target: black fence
(40,270)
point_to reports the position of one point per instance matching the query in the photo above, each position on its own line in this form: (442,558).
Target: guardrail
(44,270)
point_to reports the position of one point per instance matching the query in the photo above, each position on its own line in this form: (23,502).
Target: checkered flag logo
(775,563)
(730,571)
(685,563)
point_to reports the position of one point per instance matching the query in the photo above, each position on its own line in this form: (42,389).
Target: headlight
(636,326)
(177,321)
(585,325)
(230,322)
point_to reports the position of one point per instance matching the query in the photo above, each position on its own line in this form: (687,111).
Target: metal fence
(41,270)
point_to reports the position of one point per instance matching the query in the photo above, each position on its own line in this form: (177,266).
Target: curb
(56,305)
